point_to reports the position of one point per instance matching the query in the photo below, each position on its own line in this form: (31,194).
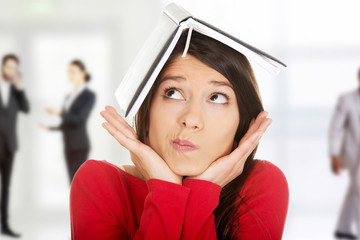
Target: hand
(225,169)
(53,111)
(146,160)
(17,81)
(44,126)
(336,165)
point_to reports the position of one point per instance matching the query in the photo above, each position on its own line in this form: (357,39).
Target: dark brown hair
(10,57)
(82,67)
(237,69)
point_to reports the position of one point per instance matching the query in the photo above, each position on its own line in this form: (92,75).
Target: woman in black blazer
(74,115)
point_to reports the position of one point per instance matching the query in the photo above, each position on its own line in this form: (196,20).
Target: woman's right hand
(146,160)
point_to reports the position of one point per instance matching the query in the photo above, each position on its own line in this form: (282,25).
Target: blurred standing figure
(74,115)
(12,100)
(344,146)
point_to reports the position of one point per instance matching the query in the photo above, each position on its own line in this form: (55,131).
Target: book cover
(153,55)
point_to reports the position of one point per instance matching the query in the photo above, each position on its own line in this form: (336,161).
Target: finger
(118,124)
(112,109)
(236,159)
(260,124)
(261,116)
(241,153)
(248,145)
(129,143)
(117,116)
(254,124)
(263,125)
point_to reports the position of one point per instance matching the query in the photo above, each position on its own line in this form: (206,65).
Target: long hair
(237,69)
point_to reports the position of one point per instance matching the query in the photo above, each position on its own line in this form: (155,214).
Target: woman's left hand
(225,169)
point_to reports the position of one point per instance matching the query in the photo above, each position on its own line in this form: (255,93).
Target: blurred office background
(318,40)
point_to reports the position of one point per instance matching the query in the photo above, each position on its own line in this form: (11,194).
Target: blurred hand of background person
(43,126)
(336,165)
(53,111)
(17,80)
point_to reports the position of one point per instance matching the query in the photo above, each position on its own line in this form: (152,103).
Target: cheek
(221,133)
(71,76)
(78,76)
(8,71)
(161,123)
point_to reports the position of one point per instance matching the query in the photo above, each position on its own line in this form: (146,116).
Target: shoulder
(266,180)
(265,170)
(264,201)
(97,168)
(89,92)
(96,177)
(348,95)
(98,198)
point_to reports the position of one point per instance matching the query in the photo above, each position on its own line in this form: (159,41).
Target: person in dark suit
(12,100)
(74,115)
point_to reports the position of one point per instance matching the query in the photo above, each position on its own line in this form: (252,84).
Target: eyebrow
(176,78)
(217,83)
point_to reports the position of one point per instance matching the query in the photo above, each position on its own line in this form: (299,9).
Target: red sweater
(109,203)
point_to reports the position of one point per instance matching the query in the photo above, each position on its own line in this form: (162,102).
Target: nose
(192,117)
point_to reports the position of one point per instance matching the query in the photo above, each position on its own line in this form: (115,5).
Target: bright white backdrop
(318,40)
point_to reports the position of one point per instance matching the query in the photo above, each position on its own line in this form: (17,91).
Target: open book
(153,55)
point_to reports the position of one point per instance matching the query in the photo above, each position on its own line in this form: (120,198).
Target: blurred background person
(74,115)
(13,100)
(344,147)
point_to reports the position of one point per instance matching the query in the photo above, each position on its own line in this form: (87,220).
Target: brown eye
(170,93)
(214,97)
(173,93)
(219,98)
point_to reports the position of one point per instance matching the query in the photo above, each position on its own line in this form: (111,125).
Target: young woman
(194,176)
(74,115)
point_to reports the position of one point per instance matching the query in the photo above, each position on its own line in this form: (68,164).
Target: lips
(183,145)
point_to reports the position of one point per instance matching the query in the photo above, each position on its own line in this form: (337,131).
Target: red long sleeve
(101,209)
(199,222)
(108,203)
(265,196)
(261,215)
(164,211)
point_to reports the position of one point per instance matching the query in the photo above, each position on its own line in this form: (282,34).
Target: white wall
(318,40)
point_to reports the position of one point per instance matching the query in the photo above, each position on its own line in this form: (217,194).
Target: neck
(79,85)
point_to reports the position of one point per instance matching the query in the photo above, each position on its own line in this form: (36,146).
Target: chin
(188,170)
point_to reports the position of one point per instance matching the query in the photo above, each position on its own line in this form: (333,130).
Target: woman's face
(10,69)
(193,117)
(76,75)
